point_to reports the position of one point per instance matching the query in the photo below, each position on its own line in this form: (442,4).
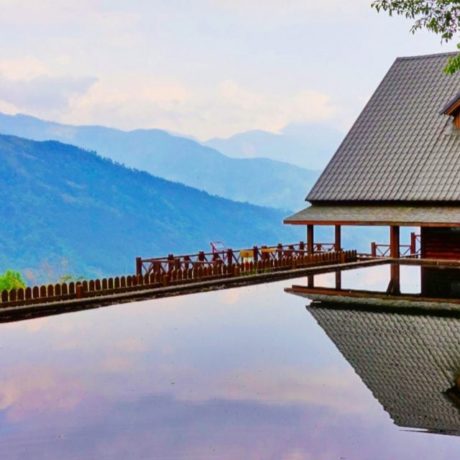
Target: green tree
(11,280)
(439,16)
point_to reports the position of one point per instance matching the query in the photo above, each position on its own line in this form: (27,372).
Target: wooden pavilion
(399,165)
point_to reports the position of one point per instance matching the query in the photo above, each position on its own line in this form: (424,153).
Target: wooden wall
(440,243)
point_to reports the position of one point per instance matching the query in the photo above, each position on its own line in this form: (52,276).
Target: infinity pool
(245,373)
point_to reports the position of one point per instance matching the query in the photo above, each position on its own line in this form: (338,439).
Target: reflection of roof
(407,361)
(401,147)
(452,106)
(379,215)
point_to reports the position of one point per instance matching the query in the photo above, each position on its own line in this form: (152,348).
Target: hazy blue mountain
(307,145)
(60,202)
(260,181)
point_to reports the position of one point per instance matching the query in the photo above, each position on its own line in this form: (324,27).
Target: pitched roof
(401,148)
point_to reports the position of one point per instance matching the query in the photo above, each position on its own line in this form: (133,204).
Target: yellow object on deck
(246,253)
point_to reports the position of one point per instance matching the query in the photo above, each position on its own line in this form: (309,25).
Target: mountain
(260,181)
(307,145)
(61,203)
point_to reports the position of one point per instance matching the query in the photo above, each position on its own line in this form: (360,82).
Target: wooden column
(338,238)
(310,239)
(338,279)
(394,241)
(394,286)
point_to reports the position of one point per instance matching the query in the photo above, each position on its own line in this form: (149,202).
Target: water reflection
(409,361)
(386,285)
(242,373)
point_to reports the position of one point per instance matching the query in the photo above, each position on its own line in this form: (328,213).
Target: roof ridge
(427,56)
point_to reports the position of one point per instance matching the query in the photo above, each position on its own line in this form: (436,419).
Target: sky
(207,68)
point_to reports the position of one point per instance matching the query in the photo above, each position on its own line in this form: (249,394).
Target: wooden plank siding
(440,243)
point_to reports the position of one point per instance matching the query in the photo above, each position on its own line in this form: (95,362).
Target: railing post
(374,249)
(256,253)
(79,291)
(138,266)
(413,244)
(279,251)
(230,261)
(170,262)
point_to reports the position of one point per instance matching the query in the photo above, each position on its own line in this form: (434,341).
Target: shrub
(11,280)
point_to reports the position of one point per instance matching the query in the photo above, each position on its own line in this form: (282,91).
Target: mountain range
(308,145)
(69,208)
(259,181)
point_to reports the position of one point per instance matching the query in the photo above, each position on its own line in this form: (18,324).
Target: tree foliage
(11,280)
(439,16)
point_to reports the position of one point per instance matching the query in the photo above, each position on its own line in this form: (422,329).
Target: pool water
(245,373)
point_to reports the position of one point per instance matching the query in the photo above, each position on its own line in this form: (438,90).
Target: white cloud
(139,102)
(43,94)
(28,85)
(206,68)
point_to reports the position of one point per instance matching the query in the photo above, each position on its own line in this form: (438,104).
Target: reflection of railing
(405,250)
(171,271)
(227,257)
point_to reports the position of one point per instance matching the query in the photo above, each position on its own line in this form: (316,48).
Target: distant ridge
(260,181)
(308,145)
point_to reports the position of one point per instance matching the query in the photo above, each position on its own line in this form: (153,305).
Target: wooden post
(229,257)
(374,249)
(338,279)
(338,238)
(170,263)
(79,291)
(310,239)
(394,286)
(413,244)
(138,266)
(394,241)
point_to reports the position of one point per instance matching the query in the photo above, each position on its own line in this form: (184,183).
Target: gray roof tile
(401,148)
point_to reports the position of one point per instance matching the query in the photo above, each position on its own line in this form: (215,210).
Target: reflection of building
(440,283)
(407,361)
(399,163)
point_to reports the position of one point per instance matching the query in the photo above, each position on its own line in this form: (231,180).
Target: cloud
(38,391)
(134,101)
(43,94)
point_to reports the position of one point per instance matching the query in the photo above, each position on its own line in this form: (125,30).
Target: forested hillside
(68,208)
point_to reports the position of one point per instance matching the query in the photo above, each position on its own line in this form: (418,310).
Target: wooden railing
(177,271)
(226,257)
(405,250)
